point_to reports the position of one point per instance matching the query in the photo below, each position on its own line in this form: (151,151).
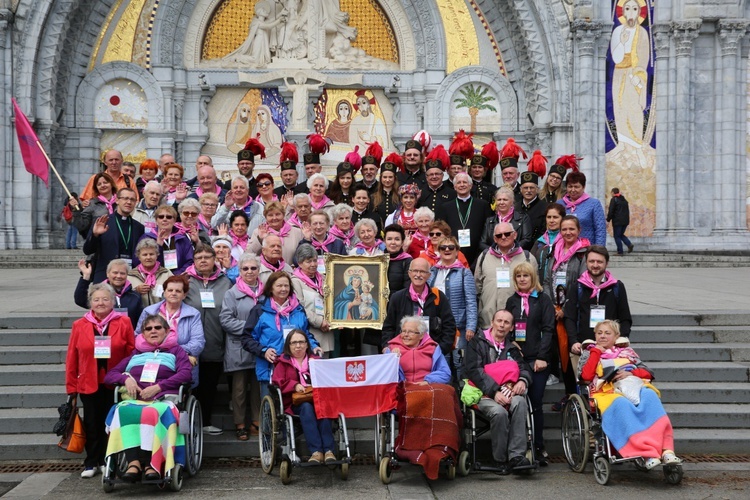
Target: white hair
(424,212)
(315,177)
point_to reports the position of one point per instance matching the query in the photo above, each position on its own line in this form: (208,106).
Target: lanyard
(130,232)
(465,219)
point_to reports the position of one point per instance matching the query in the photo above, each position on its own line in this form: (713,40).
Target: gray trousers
(245,384)
(507,429)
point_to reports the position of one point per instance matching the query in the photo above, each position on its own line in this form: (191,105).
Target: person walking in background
(71,237)
(619,215)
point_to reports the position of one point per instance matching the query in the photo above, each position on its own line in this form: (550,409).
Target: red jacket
(81,373)
(286,378)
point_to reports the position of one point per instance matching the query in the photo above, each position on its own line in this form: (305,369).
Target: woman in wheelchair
(496,367)
(292,375)
(157,367)
(420,359)
(633,417)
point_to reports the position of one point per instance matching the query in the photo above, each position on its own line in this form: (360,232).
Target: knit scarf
(240,241)
(549,238)
(284,310)
(247,290)
(190,271)
(320,204)
(173,319)
(285,228)
(101,325)
(323,245)
(572,205)
(525,300)
(507,217)
(562,256)
(316,284)
(277,267)
(367,250)
(143,345)
(346,237)
(109,202)
(419,298)
(586,280)
(149,277)
(506,257)
(199,191)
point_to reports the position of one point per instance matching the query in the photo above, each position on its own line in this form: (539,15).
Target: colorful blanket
(430,425)
(150,426)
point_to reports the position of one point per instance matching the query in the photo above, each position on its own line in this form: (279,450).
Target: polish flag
(357,387)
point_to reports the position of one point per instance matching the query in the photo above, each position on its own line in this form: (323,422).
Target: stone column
(7,232)
(683,217)
(663,105)
(727,211)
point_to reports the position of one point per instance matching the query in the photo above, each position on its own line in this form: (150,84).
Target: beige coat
(307,297)
(289,244)
(136,279)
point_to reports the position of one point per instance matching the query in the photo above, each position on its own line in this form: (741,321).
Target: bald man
(113,163)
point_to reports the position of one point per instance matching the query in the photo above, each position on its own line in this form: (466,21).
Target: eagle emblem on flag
(356,371)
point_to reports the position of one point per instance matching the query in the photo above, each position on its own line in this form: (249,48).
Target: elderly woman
(174,189)
(292,374)
(615,374)
(398,265)
(404,215)
(264,183)
(127,300)
(147,170)
(238,302)
(317,184)
(317,234)
(222,245)
(238,198)
(149,276)
(342,228)
(308,286)
(268,325)
(175,249)
(505,212)
(112,335)
(301,210)
(275,224)
(103,203)
(421,363)
(419,240)
(180,317)
(340,190)
(209,202)
(369,244)
(535,330)
(439,230)
(141,381)
(451,277)
(189,211)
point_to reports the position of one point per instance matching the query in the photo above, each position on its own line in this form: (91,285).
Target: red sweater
(589,369)
(416,363)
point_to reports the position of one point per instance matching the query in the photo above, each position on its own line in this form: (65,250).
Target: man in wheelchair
(496,367)
(156,369)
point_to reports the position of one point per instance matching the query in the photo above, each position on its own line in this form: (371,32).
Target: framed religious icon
(356,290)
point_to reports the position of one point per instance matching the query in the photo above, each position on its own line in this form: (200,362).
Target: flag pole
(52,166)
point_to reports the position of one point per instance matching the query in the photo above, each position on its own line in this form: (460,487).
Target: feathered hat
(537,164)
(438,158)
(461,149)
(510,154)
(253,148)
(424,139)
(373,155)
(489,156)
(565,163)
(318,146)
(288,157)
(393,163)
(353,159)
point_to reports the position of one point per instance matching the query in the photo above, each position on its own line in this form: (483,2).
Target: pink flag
(31,150)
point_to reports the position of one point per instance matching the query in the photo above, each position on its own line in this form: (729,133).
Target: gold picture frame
(356,290)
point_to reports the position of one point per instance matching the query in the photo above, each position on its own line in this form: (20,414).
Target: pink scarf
(149,277)
(303,369)
(240,241)
(101,325)
(369,250)
(506,257)
(507,217)
(317,206)
(562,256)
(294,221)
(422,240)
(143,345)
(586,280)
(545,238)
(323,245)
(316,284)
(285,229)
(190,271)
(488,335)
(455,265)
(122,291)
(401,256)
(205,224)
(199,191)
(292,303)
(525,300)
(181,229)
(247,290)
(346,237)
(277,267)
(172,320)
(419,298)
(109,202)
(572,205)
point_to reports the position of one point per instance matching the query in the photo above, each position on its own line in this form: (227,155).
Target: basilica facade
(652,94)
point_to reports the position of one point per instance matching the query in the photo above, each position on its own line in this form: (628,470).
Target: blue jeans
(619,234)
(71,237)
(318,432)
(536,395)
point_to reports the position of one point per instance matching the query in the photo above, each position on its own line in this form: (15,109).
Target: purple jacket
(169,380)
(184,248)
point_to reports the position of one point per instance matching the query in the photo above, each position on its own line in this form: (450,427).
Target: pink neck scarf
(561,255)
(122,291)
(101,325)
(199,191)
(204,224)
(491,338)
(572,205)
(285,229)
(422,240)
(149,277)
(243,207)
(181,228)
(303,369)
(247,290)
(277,267)
(494,250)
(294,221)
(316,284)
(586,280)
(320,204)
(419,298)
(173,319)
(525,300)
(456,264)
(401,256)
(143,345)
(507,217)
(346,237)
(109,202)
(545,238)
(369,250)
(240,241)
(323,245)
(190,271)
(282,310)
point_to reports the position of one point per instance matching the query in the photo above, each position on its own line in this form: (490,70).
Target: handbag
(74,436)
(303,397)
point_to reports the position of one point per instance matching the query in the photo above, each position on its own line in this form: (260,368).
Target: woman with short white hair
(369,244)
(419,241)
(341,217)
(318,184)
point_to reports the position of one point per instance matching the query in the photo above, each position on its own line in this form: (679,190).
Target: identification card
(170,259)
(502,277)
(207,299)
(521,331)
(122,310)
(319,305)
(157,291)
(287,330)
(464,238)
(560,278)
(150,369)
(597,315)
(127,260)
(321,265)
(102,347)
(426,322)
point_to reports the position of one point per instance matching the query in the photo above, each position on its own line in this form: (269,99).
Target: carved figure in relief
(262,38)
(300,90)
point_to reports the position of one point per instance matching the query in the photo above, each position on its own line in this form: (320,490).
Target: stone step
(682,392)
(32,396)
(698,371)
(32,355)
(47,321)
(665,334)
(682,352)
(29,337)
(27,420)
(31,375)
(690,415)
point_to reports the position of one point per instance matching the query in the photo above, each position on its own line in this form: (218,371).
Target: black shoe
(516,463)
(630,248)
(543,457)
(503,469)
(151,475)
(132,474)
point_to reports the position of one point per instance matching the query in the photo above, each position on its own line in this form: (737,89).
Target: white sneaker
(89,472)
(651,463)
(211,430)
(669,458)
(102,469)
(552,380)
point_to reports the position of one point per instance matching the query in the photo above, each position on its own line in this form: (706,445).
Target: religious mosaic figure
(267,132)
(365,127)
(338,129)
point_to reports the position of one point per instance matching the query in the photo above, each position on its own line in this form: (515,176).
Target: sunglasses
(250,268)
(156,327)
(447,248)
(164,216)
(264,184)
(503,235)
(190,214)
(436,234)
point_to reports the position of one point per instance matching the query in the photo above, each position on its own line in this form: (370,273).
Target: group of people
(235,276)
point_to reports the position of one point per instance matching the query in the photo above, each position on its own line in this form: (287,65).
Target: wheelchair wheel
(267,434)
(450,473)
(575,433)
(385,470)
(530,449)
(176,477)
(344,471)
(194,440)
(464,465)
(382,423)
(601,470)
(285,471)
(673,474)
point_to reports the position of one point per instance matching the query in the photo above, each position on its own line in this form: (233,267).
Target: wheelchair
(476,424)
(583,438)
(278,436)
(190,425)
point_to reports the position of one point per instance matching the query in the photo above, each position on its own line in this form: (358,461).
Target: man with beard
(532,206)
(413,161)
(436,192)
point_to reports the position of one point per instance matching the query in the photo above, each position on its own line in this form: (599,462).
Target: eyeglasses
(126,198)
(447,248)
(203,257)
(264,184)
(164,216)
(437,233)
(418,271)
(409,332)
(155,327)
(298,342)
(250,268)
(503,235)
(190,214)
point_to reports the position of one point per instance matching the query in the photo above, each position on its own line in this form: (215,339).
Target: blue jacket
(461,290)
(590,214)
(261,334)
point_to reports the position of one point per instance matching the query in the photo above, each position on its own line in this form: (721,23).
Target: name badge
(521,331)
(502,277)
(122,310)
(157,291)
(150,369)
(464,237)
(207,299)
(319,305)
(560,278)
(597,315)
(127,260)
(321,265)
(287,330)
(102,347)
(170,259)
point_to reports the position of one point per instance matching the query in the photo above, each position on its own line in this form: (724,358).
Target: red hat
(537,164)
(438,158)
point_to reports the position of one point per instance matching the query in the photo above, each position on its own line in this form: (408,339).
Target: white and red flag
(357,387)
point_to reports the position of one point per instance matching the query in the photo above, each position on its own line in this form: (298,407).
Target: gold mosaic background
(230,24)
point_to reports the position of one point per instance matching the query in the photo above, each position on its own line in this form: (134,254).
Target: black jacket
(480,211)
(442,322)
(521,224)
(578,312)
(130,300)
(536,214)
(619,211)
(398,276)
(432,199)
(483,190)
(540,326)
(111,245)
(480,352)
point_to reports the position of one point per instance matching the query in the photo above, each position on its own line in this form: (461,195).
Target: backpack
(67,214)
